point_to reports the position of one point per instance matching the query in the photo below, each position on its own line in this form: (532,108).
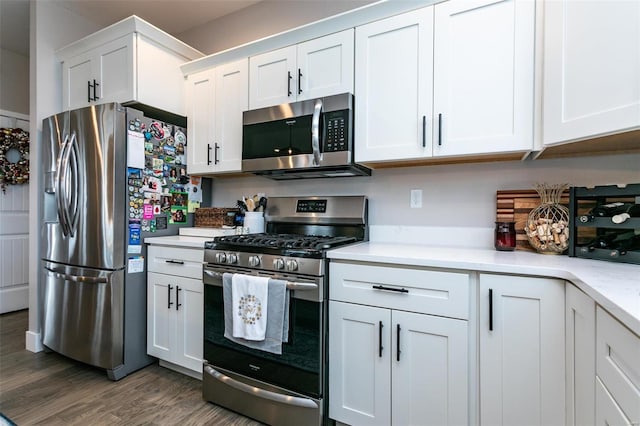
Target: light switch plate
(416,199)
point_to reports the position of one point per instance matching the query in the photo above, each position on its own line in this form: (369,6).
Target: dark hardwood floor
(47,388)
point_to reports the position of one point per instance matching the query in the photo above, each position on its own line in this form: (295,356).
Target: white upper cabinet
(394,87)
(591,69)
(216,100)
(316,68)
(483,77)
(130,61)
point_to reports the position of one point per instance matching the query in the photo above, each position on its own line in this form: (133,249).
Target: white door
(591,68)
(522,375)
(201,122)
(116,70)
(483,77)
(189,317)
(580,320)
(394,87)
(325,66)
(359,364)
(231,98)
(429,372)
(160,316)
(77,85)
(272,78)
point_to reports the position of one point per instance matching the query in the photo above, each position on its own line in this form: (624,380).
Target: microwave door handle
(59,189)
(315,132)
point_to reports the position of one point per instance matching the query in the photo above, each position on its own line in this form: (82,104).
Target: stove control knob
(232,258)
(254,261)
(278,263)
(221,258)
(292,265)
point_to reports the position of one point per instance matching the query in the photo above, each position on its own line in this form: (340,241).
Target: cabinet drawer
(416,290)
(618,363)
(183,262)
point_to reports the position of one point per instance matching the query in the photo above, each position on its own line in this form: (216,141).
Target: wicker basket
(215,217)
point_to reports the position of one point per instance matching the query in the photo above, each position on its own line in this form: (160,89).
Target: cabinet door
(160,317)
(231,99)
(394,87)
(359,364)
(429,370)
(272,78)
(607,411)
(522,376)
(580,321)
(189,323)
(201,122)
(591,68)
(483,77)
(325,66)
(115,70)
(77,90)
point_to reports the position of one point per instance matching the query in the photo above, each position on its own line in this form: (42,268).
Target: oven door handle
(262,393)
(290,284)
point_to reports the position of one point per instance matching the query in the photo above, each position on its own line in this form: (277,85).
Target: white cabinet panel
(201,121)
(116,70)
(521,350)
(591,69)
(607,411)
(160,326)
(273,78)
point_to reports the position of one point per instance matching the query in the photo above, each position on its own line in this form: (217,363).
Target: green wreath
(14,172)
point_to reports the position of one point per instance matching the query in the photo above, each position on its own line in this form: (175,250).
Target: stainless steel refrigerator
(93,285)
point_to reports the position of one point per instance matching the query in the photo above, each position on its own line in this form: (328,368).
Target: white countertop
(614,286)
(178,241)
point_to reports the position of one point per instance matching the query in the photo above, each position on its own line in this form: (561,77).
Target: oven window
(277,138)
(297,369)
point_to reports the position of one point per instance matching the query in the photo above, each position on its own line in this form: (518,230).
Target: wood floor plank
(49,389)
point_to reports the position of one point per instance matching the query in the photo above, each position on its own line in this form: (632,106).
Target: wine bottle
(632,210)
(607,240)
(620,248)
(605,210)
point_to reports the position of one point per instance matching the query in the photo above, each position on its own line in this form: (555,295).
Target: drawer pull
(176,262)
(397,290)
(380,340)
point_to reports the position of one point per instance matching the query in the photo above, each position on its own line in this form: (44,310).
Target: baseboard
(14,298)
(34,342)
(180,369)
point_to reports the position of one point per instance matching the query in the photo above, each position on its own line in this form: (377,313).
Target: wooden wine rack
(583,199)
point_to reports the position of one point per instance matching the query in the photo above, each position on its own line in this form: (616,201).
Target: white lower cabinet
(175,307)
(618,372)
(388,366)
(522,359)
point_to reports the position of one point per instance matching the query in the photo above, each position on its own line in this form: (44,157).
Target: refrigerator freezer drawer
(82,315)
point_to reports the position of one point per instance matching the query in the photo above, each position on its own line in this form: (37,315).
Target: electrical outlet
(416,199)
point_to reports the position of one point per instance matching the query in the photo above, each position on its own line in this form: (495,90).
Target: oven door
(300,366)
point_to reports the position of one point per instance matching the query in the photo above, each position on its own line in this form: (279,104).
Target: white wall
(51,27)
(263,19)
(453,195)
(14,82)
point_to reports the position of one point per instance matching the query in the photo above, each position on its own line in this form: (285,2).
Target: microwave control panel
(336,131)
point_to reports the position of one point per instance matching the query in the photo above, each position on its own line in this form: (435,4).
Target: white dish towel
(250,302)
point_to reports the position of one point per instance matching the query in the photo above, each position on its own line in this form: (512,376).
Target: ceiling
(173,17)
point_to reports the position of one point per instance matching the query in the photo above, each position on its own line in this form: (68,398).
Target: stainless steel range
(290,388)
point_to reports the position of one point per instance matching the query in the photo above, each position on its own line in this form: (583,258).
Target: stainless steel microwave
(306,139)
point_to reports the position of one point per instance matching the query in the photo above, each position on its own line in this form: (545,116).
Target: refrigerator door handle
(59,189)
(78,278)
(72,205)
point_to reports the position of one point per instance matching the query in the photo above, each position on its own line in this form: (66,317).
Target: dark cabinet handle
(169,302)
(398,290)
(398,343)
(439,129)
(299,81)
(95,96)
(208,154)
(380,340)
(178,304)
(490,309)
(177,262)
(89,91)
(215,153)
(289,83)
(424,131)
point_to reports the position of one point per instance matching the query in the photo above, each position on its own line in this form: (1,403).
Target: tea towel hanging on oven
(277,316)
(250,303)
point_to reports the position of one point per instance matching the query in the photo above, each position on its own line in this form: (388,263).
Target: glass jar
(505,236)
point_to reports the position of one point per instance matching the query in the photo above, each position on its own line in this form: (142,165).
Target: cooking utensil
(251,206)
(242,205)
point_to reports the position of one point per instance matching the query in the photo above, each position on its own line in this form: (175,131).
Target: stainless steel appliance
(306,139)
(93,289)
(291,388)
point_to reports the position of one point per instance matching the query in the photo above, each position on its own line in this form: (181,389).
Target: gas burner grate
(283,241)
